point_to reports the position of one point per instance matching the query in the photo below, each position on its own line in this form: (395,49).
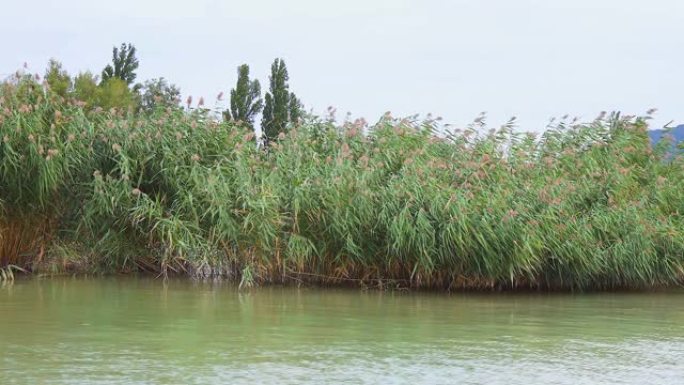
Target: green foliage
(124,64)
(85,88)
(295,109)
(158,93)
(583,206)
(58,79)
(281,106)
(267,126)
(245,98)
(114,93)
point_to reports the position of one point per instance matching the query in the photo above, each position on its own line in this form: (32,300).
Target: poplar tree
(124,64)
(281,106)
(295,109)
(245,98)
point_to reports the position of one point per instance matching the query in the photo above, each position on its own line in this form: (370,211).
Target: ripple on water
(142,332)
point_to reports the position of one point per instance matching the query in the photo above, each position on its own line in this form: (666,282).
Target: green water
(142,331)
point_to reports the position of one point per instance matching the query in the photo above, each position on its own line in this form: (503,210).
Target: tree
(85,88)
(275,118)
(245,98)
(295,109)
(158,93)
(281,106)
(57,78)
(124,64)
(114,92)
(267,118)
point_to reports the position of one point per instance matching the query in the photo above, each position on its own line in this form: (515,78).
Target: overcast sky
(530,58)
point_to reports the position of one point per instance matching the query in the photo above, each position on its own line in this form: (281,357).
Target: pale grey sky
(530,58)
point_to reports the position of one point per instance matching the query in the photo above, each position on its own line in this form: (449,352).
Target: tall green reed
(394,203)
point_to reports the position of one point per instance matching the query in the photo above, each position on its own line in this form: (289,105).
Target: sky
(533,59)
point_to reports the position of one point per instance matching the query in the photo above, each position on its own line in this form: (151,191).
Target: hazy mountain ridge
(677,132)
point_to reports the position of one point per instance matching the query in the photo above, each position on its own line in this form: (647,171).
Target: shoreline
(367,286)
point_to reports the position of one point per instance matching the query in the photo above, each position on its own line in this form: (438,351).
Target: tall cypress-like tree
(267,119)
(295,108)
(245,98)
(281,106)
(124,64)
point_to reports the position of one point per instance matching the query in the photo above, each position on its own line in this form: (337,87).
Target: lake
(146,331)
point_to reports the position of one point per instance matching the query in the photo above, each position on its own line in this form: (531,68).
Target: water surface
(143,331)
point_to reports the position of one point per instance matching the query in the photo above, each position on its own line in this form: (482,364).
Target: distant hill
(677,132)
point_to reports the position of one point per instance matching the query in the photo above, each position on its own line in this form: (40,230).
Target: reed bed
(393,204)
